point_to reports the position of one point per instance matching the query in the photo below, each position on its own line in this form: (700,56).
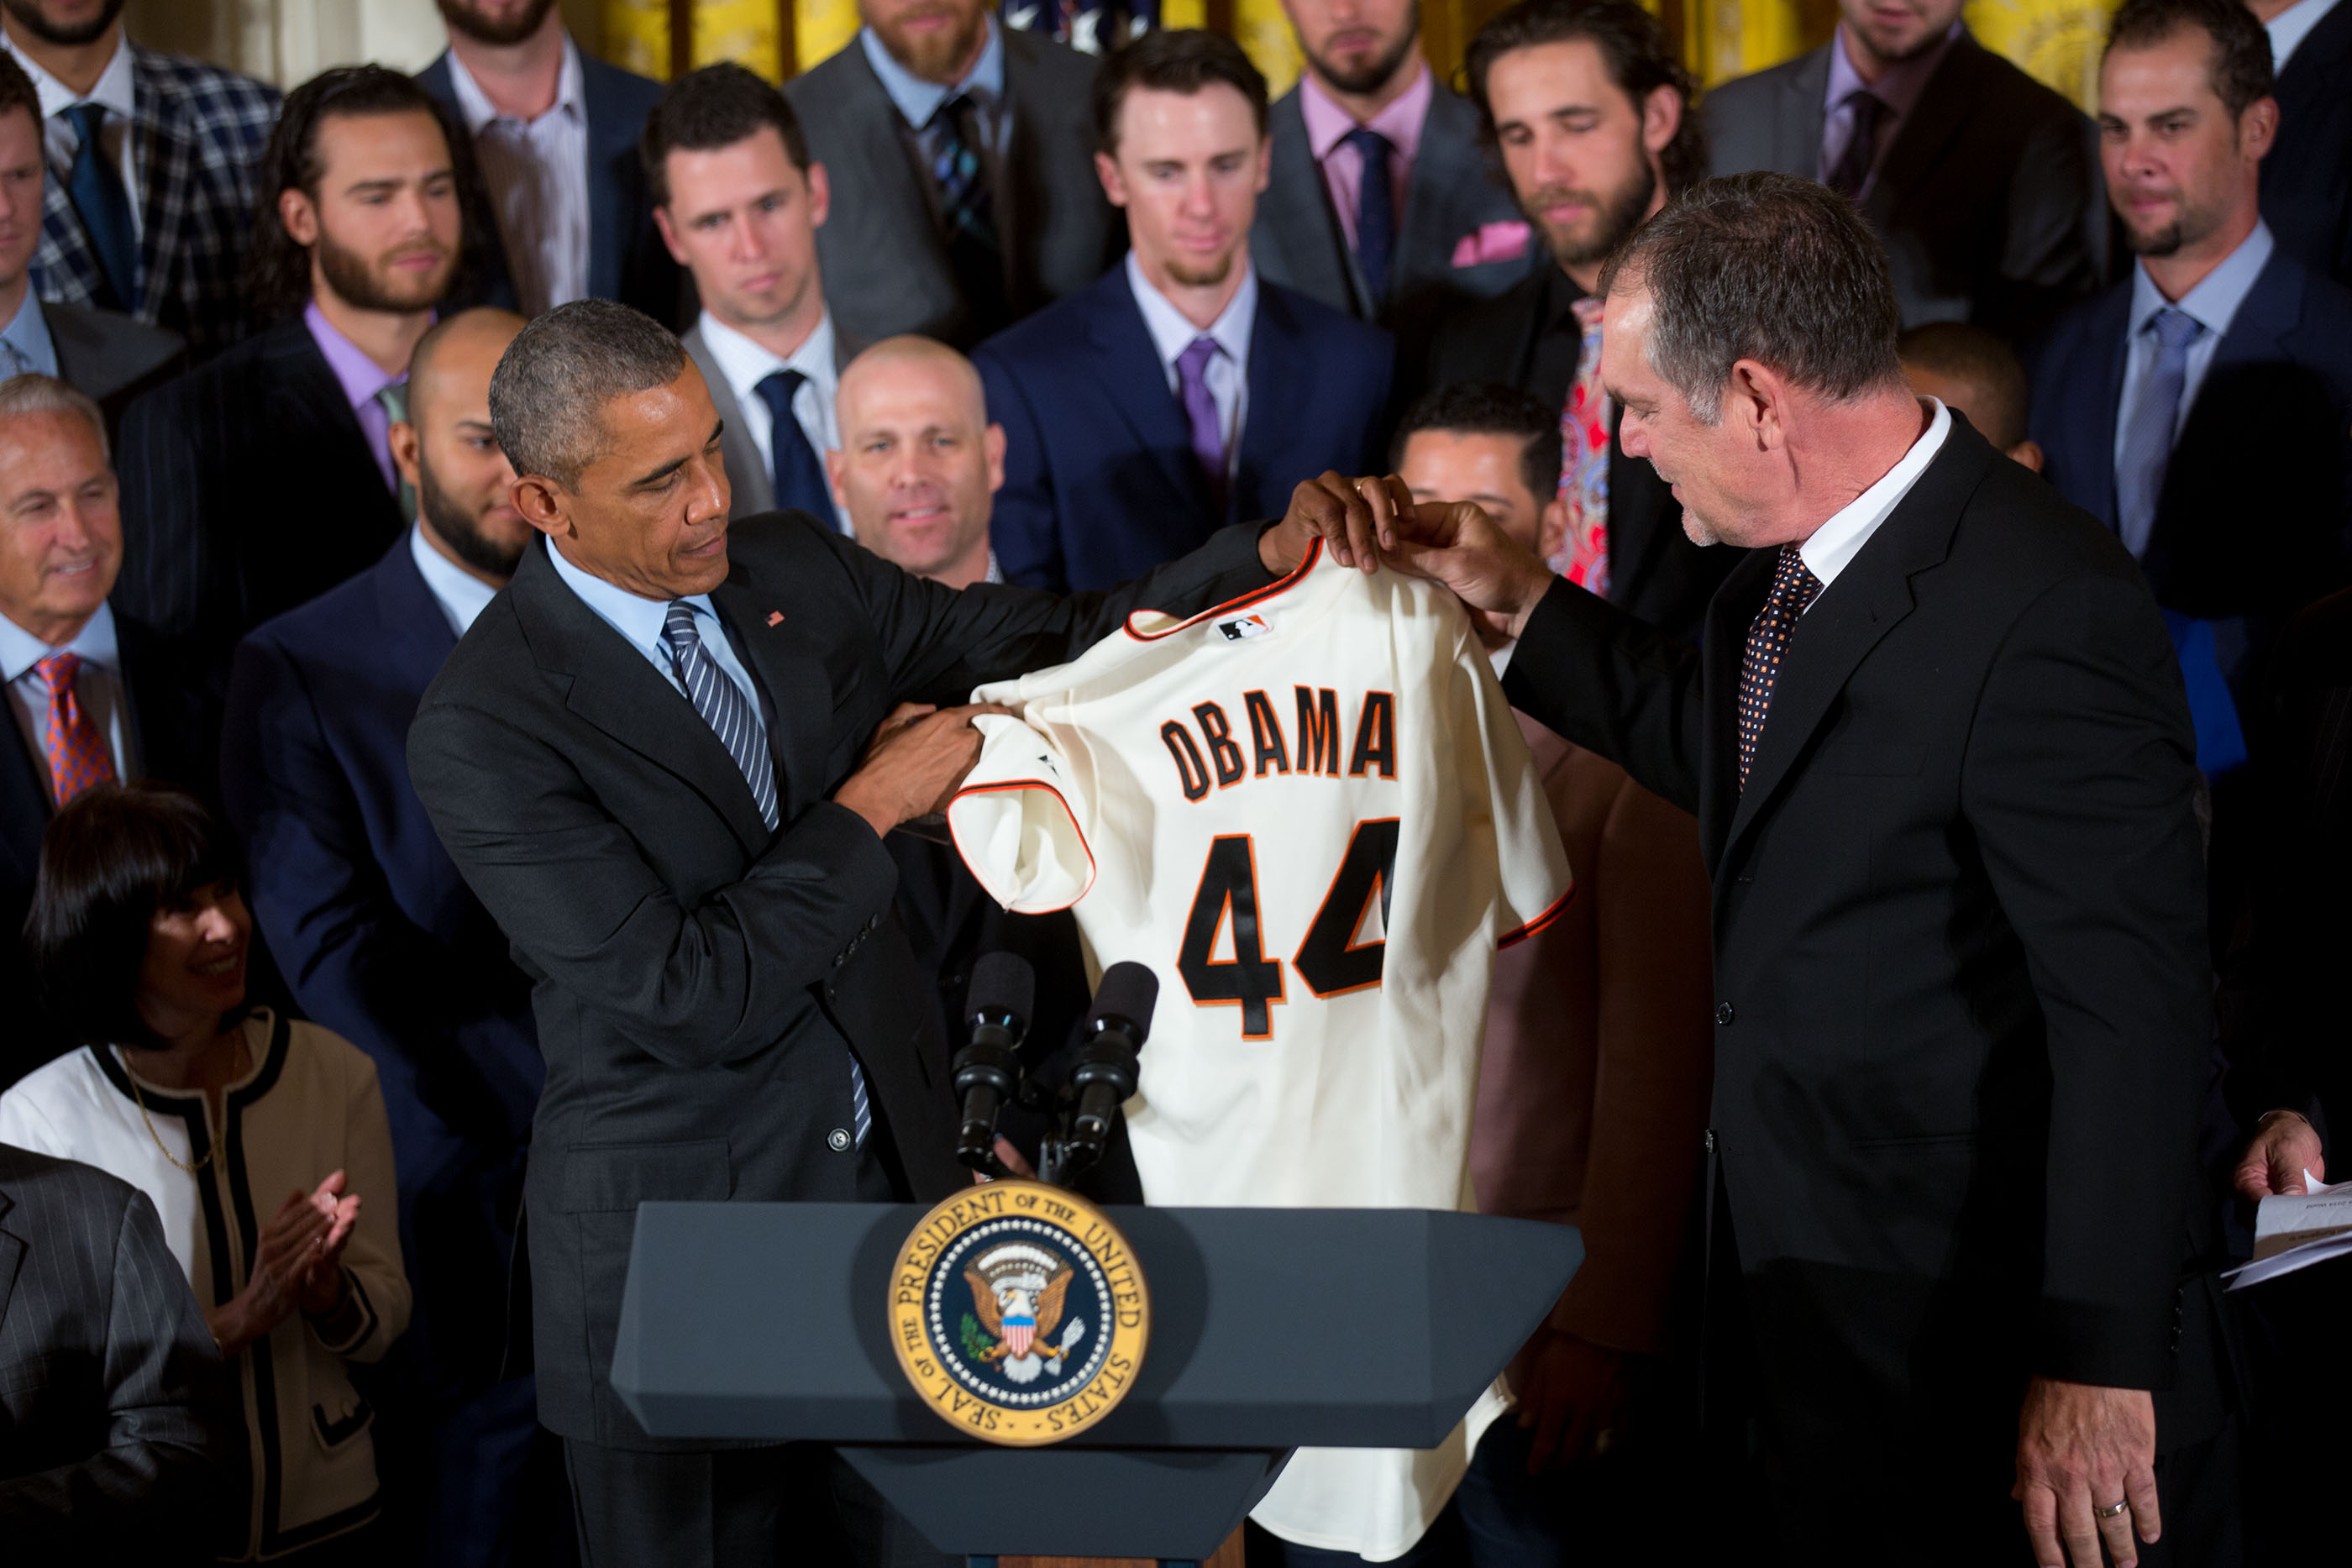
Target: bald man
(919,465)
(384,944)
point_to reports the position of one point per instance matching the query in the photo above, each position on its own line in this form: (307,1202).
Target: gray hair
(1768,268)
(548,392)
(34,392)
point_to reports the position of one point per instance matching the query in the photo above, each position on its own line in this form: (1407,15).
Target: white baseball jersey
(1312,813)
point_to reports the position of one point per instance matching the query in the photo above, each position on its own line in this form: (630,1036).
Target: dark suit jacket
(626,258)
(1654,571)
(2308,178)
(1100,483)
(1990,200)
(118,1430)
(701,980)
(176,728)
(1962,1010)
(886,266)
(110,359)
(2253,516)
(248,488)
(1297,241)
(360,905)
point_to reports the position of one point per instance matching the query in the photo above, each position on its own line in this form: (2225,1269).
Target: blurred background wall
(285,41)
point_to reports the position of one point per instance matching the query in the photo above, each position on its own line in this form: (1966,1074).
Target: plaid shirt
(201,130)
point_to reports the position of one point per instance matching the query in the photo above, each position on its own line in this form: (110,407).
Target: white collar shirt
(461,595)
(2213,303)
(2291,26)
(115,90)
(1227,373)
(746,364)
(98,685)
(1833,545)
(537,172)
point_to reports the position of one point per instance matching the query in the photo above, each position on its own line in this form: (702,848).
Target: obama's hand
(916,762)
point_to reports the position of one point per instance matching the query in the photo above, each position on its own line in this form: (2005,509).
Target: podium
(1270,1328)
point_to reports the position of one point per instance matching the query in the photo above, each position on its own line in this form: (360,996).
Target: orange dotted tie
(1794,587)
(78,758)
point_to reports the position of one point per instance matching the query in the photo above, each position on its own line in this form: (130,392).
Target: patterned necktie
(2147,441)
(94,185)
(1581,553)
(1793,588)
(1375,209)
(394,400)
(77,753)
(794,464)
(1201,414)
(967,210)
(1852,170)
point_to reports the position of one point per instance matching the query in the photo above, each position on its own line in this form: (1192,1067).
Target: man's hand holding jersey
(917,757)
(1366,522)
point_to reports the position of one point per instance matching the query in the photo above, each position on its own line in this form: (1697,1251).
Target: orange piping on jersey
(1016,785)
(1256,596)
(1558,908)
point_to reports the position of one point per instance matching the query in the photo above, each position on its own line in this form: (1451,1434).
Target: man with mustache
(1982,182)
(1379,201)
(359,900)
(1588,109)
(267,477)
(963,198)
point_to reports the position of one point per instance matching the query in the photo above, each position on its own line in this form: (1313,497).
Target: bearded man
(267,477)
(1588,109)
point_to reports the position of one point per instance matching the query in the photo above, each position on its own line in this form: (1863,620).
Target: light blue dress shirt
(461,595)
(918,100)
(639,621)
(24,343)
(2293,26)
(2213,303)
(98,685)
(1227,376)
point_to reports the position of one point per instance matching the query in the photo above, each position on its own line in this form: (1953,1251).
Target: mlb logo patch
(1243,626)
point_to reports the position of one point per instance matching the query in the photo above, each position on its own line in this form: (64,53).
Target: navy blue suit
(382,943)
(626,258)
(1100,483)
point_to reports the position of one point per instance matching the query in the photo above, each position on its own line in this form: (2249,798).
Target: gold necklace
(160,1147)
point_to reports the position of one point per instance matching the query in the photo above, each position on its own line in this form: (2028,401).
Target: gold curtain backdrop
(2056,41)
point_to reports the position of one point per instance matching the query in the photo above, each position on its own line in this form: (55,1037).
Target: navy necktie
(2147,440)
(798,472)
(1375,209)
(95,186)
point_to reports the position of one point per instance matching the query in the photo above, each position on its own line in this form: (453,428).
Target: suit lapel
(1935,122)
(617,689)
(1277,358)
(1797,122)
(752,487)
(167,155)
(417,637)
(1725,645)
(1869,598)
(305,395)
(611,135)
(1297,210)
(23,809)
(12,1261)
(2263,329)
(2099,416)
(1127,364)
(1440,198)
(799,689)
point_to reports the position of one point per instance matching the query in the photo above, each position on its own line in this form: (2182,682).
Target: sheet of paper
(2295,1232)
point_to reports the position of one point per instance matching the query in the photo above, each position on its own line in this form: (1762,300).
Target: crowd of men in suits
(992,312)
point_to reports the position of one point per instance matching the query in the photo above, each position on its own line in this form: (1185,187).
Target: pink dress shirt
(361,379)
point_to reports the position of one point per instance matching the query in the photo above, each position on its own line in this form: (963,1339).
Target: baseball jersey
(1312,813)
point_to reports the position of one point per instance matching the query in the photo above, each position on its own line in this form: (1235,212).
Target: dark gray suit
(111,359)
(1990,199)
(886,267)
(1297,241)
(118,1435)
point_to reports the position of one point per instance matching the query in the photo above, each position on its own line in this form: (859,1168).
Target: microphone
(988,1070)
(1115,1031)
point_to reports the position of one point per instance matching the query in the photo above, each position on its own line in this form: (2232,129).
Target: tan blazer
(1593,1098)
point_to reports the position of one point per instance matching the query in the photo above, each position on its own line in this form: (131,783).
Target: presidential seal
(1019,1313)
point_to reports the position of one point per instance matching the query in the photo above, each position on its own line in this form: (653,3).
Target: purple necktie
(1201,410)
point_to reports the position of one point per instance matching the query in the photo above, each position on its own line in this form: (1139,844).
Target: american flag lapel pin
(775,617)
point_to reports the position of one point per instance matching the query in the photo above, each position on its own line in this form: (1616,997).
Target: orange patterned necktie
(1580,553)
(78,756)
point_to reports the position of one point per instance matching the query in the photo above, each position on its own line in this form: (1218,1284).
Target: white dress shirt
(461,595)
(639,621)
(746,364)
(2213,303)
(114,88)
(1228,372)
(2293,26)
(1836,542)
(536,171)
(98,685)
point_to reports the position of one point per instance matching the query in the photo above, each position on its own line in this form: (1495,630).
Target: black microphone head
(1129,992)
(1001,983)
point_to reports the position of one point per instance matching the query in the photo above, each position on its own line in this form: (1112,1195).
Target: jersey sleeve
(1535,883)
(1020,820)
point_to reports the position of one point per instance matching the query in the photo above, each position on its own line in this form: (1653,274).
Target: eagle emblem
(1017,1295)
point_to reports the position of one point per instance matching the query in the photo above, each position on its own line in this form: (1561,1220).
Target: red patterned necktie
(77,752)
(1793,588)
(1580,553)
